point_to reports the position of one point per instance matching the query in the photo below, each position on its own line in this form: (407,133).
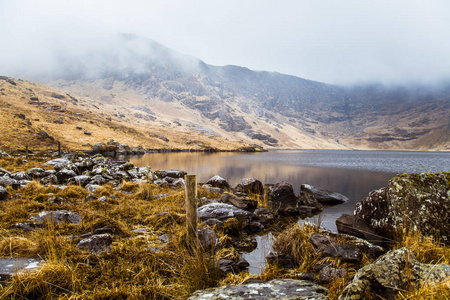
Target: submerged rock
(286,289)
(394,271)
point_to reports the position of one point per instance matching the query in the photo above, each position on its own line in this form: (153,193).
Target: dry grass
(133,269)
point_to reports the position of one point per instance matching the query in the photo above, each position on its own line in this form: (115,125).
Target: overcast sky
(337,41)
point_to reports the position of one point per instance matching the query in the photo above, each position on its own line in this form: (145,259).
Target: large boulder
(410,202)
(285,289)
(282,199)
(240,202)
(322,196)
(251,186)
(223,212)
(395,271)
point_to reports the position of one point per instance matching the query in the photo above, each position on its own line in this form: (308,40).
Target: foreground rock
(282,199)
(353,225)
(275,289)
(410,202)
(223,212)
(395,271)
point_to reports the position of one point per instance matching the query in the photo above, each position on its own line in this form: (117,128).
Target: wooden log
(191,209)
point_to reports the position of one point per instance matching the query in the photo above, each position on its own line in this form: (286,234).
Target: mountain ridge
(269,108)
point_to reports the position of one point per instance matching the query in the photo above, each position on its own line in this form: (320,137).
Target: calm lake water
(352,173)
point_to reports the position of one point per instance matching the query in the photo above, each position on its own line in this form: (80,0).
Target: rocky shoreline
(251,208)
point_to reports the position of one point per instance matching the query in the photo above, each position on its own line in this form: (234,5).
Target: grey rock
(320,242)
(356,226)
(27,226)
(208,238)
(285,289)
(323,196)
(21,175)
(308,277)
(96,244)
(244,203)
(63,161)
(140,231)
(218,182)
(170,173)
(65,174)
(327,274)
(92,187)
(252,186)
(8,181)
(104,230)
(263,216)
(12,266)
(213,222)
(82,180)
(222,212)
(282,260)
(282,199)
(4,193)
(347,253)
(37,173)
(394,271)
(57,217)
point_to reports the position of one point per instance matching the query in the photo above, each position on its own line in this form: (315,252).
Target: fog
(339,42)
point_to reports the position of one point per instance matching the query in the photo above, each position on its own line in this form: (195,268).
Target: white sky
(390,41)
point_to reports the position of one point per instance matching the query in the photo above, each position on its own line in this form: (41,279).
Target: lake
(349,172)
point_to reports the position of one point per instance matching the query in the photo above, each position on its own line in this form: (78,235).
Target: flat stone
(286,289)
(12,266)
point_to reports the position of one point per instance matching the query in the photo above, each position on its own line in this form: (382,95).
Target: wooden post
(26,151)
(59,149)
(191,209)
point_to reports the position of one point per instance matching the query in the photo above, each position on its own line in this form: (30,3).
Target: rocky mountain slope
(39,117)
(152,85)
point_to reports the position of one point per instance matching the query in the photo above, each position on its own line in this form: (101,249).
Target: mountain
(152,85)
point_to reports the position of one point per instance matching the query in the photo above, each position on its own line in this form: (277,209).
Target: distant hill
(152,85)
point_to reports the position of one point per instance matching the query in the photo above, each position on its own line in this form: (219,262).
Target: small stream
(351,173)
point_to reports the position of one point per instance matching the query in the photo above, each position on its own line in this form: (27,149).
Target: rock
(218,182)
(51,179)
(140,231)
(92,187)
(57,217)
(327,274)
(104,230)
(252,186)
(282,199)
(27,226)
(356,226)
(410,202)
(65,174)
(98,180)
(102,199)
(396,270)
(227,266)
(82,180)
(255,227)
(57,200)
(21,175)
(308,277)
(308,211)
(211,189)
(322,196)
(8,181)
(79,127)
(4,172)
(57,96)
(44,135)
(222,212)
(4,193)
(96,244)
(286,289)
(12,266)
(347,253)
(170,173)
(282,260)
(319,242)
(263,216)
(63,161)
(208,238)
(36,173)
(213,222)
(87,132)
(240,202)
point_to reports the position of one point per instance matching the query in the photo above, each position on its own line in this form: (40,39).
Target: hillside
(149,84)
(37,116)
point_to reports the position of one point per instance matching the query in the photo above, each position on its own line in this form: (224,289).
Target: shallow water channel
(352,173)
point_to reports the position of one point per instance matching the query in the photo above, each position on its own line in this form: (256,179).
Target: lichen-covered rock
(57,217)
(410,202)
(327,274)
(396,270)
(96,244)
(282,199)
(285,289)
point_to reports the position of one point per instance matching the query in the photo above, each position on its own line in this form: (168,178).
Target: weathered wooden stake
(59,149)
(191,209)
(26,151)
